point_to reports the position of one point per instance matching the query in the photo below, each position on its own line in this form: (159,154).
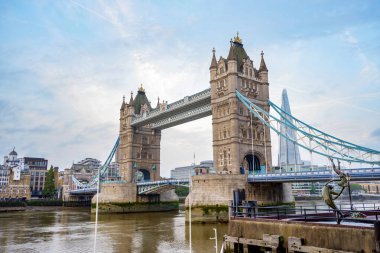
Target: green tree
(356,187)
(182,191)
(49,189)
(313,190)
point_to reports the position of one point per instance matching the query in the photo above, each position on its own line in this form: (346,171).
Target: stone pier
(121,197)
(211,194)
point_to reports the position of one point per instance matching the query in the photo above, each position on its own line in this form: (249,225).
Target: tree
(182,191)
(356,187)
(313,190)
(49,189)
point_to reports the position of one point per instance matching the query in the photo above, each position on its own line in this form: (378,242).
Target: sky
(65,66)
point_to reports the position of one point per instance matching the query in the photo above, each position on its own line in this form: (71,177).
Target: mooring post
(377,236)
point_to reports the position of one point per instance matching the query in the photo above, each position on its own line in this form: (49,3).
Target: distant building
(12,159)
(91,162)
(4,175)
(38,170)
(370,187)
(205,167)
(14,178)
(113,173)
(289,153)
(83,171)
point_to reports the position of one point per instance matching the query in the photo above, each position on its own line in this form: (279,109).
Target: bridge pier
(122,197)
(211,194)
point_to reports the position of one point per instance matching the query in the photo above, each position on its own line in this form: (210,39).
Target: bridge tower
(139,150)
(239,140)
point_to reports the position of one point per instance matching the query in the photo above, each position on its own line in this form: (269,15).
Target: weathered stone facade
(233,127)
(139,149)
(18,187)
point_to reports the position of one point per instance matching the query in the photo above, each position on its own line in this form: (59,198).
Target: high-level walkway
(185,110)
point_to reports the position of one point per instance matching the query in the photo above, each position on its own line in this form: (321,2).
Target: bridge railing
(316,213)
(356,174)
(177,104)
(163,182)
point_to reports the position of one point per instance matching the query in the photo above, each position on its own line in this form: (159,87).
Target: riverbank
(41,208)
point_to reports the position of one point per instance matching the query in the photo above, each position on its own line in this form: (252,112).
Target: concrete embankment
(300,236)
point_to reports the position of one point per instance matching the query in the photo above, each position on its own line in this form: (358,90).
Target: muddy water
(73,231)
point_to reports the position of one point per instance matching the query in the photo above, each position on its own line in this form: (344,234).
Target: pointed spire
(123,104)
(158,102)
(231,54)
(131,100)
(213,61)
(263,66)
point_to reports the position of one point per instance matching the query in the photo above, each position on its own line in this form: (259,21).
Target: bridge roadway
(150,187)
(187,109)
(360,174)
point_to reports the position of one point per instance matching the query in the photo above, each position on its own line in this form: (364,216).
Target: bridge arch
(253,161)
(142,175)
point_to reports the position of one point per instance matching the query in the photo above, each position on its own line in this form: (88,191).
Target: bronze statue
(329,195)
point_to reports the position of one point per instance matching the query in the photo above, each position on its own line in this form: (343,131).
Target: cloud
(65,82)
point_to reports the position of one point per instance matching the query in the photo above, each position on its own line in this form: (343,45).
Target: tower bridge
(238,101)
(182,111)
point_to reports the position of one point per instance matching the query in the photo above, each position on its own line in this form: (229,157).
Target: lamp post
(216,240)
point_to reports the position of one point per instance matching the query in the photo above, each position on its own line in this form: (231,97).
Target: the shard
(289,153)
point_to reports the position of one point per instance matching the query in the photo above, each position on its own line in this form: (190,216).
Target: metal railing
(315,213)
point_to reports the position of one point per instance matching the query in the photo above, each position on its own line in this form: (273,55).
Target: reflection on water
(73,231)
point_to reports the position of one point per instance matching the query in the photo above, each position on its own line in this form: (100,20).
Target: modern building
(289,159)
(4,175)
(91,162)
(289,154)
(205,167)
(38,170)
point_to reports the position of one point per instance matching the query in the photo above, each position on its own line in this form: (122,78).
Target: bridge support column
(211,194)
(121,197)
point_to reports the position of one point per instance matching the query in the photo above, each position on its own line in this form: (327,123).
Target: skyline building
(289,153)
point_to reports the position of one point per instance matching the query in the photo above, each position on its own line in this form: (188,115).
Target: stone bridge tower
(139,150)
(239,140)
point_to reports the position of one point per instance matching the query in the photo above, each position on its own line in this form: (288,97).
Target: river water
(72,230)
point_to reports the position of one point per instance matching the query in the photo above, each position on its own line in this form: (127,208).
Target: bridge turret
(263,71)
(213,65)
(231,59)
(236,143)
(139,149)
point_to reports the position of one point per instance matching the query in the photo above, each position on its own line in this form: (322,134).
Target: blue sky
(65,65)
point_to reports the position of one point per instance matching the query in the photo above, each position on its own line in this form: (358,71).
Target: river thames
(72,231)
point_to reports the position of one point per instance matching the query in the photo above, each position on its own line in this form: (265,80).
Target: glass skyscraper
(289,153)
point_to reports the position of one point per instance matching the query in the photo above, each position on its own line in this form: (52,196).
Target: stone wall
(216,189)
(117,193)
(211,194)
(328,236)
(16,188)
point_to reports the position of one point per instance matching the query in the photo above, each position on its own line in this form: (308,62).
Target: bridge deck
(363,174)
